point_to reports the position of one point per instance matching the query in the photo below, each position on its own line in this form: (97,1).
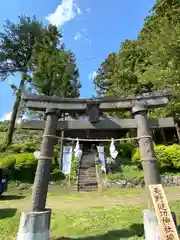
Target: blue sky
(91,29)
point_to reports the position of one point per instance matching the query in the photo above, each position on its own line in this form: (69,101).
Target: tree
(56,74)
(103,81)
(16,46)
(151,61)
(161,38)
(55,71)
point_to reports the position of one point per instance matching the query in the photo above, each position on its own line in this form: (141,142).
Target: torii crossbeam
(107,104)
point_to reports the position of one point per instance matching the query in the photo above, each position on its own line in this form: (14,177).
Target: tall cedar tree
(16,46)
(150,62)
(55,71)
(54,68)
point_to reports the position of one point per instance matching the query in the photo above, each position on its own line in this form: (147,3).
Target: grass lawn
(109,214)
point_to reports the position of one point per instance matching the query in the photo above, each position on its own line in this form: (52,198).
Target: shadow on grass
(10,197)
(134,230)
(7,212)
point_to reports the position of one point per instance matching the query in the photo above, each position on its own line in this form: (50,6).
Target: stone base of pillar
(151,228)
(151,231)
(34,225)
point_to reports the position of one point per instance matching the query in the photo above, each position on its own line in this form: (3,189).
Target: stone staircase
(87,180)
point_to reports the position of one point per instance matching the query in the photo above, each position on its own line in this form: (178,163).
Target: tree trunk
(61,149)
(11,127)
(178,130)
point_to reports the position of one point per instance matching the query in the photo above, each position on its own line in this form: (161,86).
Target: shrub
(20,166)
(55,162)
(16,148)
(167,156)
(3,127)
(56,175)
(7,162)
(163,157)
(136,157)
(25,166)
(29,147)
(128,172)
(174,153)
(126,149)
(74,168)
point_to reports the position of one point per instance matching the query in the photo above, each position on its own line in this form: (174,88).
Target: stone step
(87,182)
(90,170)
(84,162)
(88,186)
(87,190)
(87,169)
(88,178)
(87,166)
(88,174)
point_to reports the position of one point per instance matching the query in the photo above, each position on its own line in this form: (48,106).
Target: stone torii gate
(54,107)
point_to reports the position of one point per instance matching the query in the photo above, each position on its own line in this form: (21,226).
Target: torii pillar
(151,172)
(35,225)
(146,146)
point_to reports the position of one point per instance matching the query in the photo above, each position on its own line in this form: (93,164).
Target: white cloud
(88,40)
(92,75)
(79,10)
(7,117)
(77,36)
(64,12)
(88,10)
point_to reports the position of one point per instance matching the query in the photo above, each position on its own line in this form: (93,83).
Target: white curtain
(77,150)
(112,149)
(67,159)
(102,157)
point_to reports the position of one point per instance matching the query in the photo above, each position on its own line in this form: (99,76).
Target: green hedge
(19,166)
(168,157)
(126,149)
(22,167)
(128,172)
(3,127)
(29,147)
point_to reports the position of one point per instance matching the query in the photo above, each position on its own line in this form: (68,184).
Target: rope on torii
(97,140)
